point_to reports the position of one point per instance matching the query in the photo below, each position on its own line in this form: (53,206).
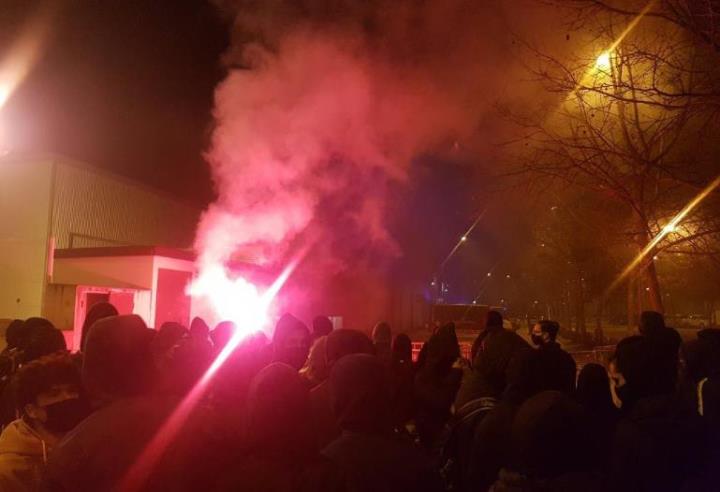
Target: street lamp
(603,61)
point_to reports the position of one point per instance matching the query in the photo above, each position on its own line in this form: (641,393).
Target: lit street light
(603,61)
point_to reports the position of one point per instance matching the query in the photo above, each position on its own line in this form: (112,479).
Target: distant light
(655,257)
(669,228)
(502,301)
(603,61)
(507,276)
(464,238)
(489,274)
(647,289)
(536,302)
(432,283)
(542,245)
(474,302)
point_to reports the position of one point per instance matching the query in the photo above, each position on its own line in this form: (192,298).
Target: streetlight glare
(603,61)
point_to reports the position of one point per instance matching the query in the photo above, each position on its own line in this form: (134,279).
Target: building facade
(49,203)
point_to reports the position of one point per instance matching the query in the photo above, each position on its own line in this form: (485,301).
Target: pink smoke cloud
(307,124)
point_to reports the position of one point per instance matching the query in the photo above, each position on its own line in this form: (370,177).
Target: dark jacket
(369,455)
(657,446)
(280,452)
(556,368)
(99,452)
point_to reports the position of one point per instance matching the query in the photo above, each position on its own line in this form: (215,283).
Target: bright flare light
(669,228)
(232,299)
(24,52)
(603,61)
(248,307)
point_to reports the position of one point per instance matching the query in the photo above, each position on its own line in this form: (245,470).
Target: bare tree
(631,122)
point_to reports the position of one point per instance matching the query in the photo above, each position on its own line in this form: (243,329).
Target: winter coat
(22,458)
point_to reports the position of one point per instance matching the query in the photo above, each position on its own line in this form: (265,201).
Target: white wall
(25,188)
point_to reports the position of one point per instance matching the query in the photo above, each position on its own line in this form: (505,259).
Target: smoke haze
(324,110)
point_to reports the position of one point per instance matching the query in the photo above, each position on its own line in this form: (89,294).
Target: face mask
(64,415)
(538,340)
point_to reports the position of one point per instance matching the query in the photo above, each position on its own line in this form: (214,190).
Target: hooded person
(490,444)
(665,341)
(657,444)
(437,381)
(108,450)
(369,454)
(321,327)
(49,402)
(291,342)
(558,368)
(166,339)
(13,335)
(281,454)
(339,343)
(478,395)
(199,329)
(546,433)
(402,376)
(222,334)
(39,338)
(593,393)
(97,312)
(493,324)
(382,340)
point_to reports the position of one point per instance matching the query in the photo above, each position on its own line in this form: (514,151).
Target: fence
(599,355)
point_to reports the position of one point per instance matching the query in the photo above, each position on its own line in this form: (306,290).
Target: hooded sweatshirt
(22,456)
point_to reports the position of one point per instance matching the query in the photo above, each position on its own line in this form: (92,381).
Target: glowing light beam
(142,468)
(463,239)
(669,228)
(25,52)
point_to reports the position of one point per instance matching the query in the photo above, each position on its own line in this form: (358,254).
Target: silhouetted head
(382,334)
(291,341)
(13,333)
(48,394)
(544,332)
(97,312)
(651,322)
(199,329)
(278,414)
(546,434)
(360,394)
(639,370)
(345,342)
(40,338)
(222,334)
(322,326)
(593,388)
(494,321)
(402,348)
(118,361)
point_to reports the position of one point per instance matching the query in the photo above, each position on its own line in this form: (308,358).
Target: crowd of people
(323,409)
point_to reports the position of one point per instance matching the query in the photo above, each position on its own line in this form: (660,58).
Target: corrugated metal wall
(93,209)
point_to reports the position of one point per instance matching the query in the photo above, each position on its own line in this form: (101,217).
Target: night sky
(126,86)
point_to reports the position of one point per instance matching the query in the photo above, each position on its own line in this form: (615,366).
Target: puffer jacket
(22,457)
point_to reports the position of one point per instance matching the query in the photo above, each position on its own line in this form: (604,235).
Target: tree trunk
(654,295)
(579,299)
(599,335)
(632,304)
